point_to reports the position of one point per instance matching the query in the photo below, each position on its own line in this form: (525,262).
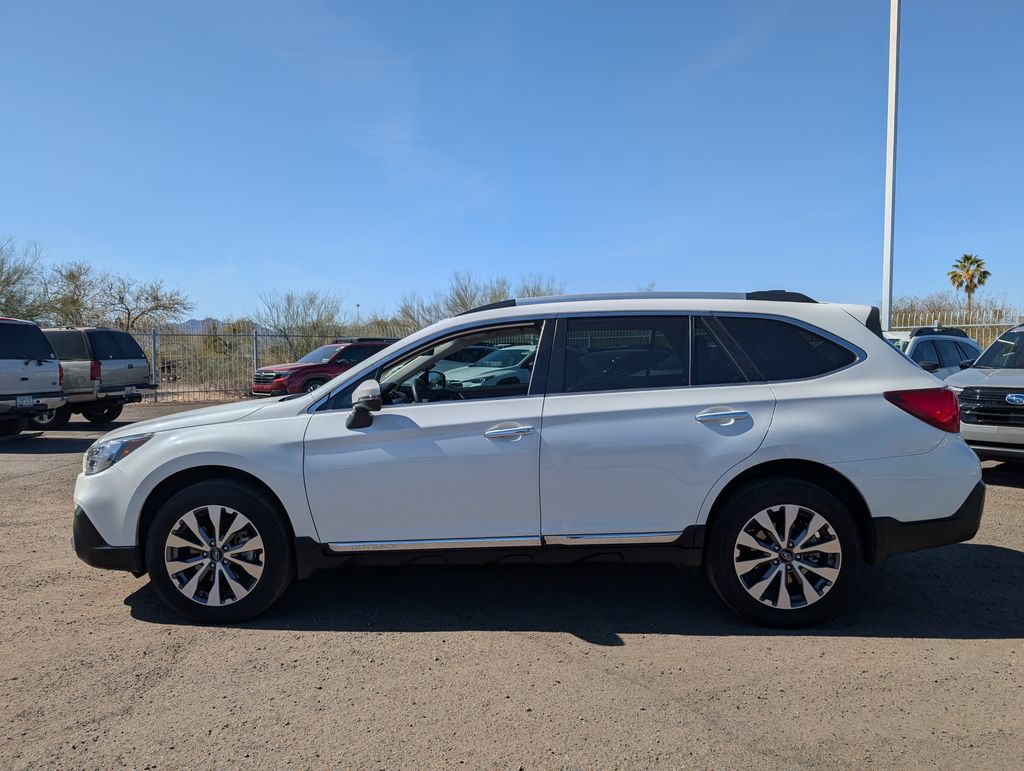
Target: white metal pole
(890,161)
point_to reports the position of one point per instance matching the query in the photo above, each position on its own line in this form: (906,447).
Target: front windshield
(505,357)
(321,355)
(1007,352)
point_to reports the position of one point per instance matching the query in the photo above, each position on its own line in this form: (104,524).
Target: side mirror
(436,379)
(928,366)
(366,400)
(967,363)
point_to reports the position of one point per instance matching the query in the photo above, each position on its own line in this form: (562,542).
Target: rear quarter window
(780,350)
(104,345)
(128,347)
(68,344)
(24,341)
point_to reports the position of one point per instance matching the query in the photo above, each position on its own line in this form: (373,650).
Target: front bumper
(270,392)
(891,536)
(93,550)
(994,442)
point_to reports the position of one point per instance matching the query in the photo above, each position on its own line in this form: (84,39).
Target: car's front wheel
(784,552)
(219,552)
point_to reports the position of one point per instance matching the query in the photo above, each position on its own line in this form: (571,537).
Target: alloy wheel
(787,556)
(214,555)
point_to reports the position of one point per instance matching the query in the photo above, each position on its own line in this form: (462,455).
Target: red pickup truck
(316,367)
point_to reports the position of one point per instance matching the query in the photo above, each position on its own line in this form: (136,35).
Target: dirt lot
(600,666)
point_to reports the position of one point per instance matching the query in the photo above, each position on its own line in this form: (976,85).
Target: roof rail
(780,295)
(771,295)
(363,340)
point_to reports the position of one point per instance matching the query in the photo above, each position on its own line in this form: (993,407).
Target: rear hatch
(28,366)
(73,352)
(136,363)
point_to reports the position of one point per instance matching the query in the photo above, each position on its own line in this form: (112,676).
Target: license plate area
(129,389)
(25,401)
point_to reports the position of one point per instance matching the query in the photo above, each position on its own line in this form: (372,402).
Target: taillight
(60,374)
(935,406)
(94,370)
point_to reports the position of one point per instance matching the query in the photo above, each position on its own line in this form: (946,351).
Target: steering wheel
(420,391)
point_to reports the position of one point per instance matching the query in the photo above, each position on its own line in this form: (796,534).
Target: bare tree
(297,316)
(136,306)
(76,294)
(465,291)
(21,284)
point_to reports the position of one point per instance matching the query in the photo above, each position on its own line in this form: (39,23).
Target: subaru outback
(776,442)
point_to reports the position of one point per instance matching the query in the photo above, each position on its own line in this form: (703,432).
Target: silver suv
(104,369)
(30,375)
(991,394)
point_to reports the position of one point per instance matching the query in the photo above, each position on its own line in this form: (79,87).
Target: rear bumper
(891,536)
(9,407)
(93,550)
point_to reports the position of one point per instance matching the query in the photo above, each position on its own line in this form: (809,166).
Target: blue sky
(372,148)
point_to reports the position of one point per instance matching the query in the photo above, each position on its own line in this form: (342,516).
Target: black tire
(277,554)
(721,548)
(103,414)
(312,385)
(54,419)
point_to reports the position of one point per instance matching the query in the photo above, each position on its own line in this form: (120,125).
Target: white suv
(776,441)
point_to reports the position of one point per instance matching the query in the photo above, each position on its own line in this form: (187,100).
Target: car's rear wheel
(784,553)
(102,414)
(53,419)
(219,552)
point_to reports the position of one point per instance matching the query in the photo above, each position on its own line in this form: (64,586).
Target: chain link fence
(216,366)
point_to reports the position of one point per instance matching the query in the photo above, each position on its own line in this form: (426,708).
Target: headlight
(103,455)
(475,381)
(284,374)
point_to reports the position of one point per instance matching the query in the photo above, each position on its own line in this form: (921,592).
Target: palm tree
(968,274)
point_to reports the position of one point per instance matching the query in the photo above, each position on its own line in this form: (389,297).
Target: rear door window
(611,354)
(24,341)
(949,354)
(104,345)
(924,351)
(781,350)
(68,344)
(712,364)
(355,354)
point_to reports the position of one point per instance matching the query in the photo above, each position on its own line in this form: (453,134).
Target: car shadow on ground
(964,591)
(1004,475)
(68,439)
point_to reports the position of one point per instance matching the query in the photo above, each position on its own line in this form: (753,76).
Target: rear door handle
(723,417)
(512,432)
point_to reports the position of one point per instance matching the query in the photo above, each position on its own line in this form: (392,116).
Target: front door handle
(512,432)
(723,417)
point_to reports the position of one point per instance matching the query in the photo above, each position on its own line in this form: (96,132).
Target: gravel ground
(597,666)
